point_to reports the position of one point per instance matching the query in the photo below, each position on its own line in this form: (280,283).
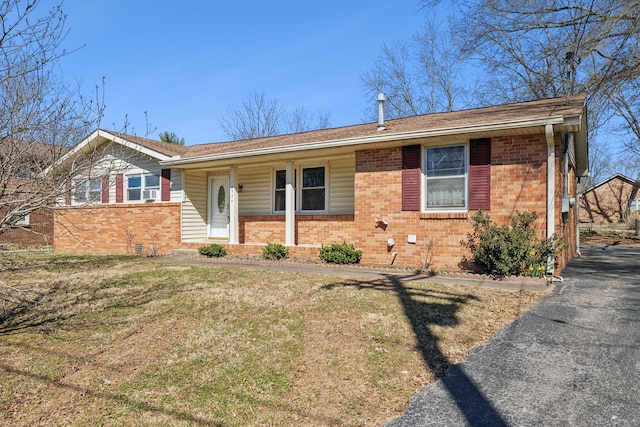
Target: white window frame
(89,195)
(425,180)
(298,189)
(302,188)
(283,190)
(143,185)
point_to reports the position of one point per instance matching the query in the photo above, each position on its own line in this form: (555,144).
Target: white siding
(176,185)
(194,207)
(255,198)
(115,159)
(341,186)
(132,163)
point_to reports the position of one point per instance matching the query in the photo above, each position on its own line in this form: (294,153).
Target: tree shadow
(422,315)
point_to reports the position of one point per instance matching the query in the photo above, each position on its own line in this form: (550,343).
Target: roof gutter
(401,136)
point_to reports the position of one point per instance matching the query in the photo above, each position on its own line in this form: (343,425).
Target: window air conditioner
(150,194)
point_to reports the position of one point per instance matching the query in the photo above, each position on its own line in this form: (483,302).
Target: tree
(258,116)
(171,138)
(40,117)
(419,75)
(302,120)
(522,50)
(538,49)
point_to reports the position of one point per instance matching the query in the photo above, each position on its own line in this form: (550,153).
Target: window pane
(95,190)
(281,179)
(313,177)
(445,161)
(151,181)
(80,191)
(133,194)
(134,181)
(313,200)
(134,186)
(445,193)
(278,204)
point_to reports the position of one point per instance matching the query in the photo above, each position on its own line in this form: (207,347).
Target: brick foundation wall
(116,229)
(39,231)
(310,229)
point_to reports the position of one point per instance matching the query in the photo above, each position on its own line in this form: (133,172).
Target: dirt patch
(609,239)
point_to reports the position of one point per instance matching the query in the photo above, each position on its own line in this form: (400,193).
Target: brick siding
(116,229)
(518,183)
(310,229)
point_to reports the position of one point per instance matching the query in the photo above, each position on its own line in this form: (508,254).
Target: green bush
(340,253)
(275,251)
(213,250)
(508,250)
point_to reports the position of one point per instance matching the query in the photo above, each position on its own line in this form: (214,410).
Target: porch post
(233,206)
(290,207)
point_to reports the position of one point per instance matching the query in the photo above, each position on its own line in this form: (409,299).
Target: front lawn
(125,341)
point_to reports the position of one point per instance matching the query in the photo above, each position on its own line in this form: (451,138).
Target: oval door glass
(222,199)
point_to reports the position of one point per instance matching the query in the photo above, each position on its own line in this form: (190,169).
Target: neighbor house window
(17,220)
(312,197)
(139,186)
(87,190)
(310,191)
(446,177)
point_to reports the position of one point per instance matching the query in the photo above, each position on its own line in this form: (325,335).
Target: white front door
(219,207)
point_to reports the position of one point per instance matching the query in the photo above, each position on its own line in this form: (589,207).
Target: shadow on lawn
(422,315)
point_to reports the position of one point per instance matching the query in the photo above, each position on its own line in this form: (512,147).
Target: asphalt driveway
(573,360)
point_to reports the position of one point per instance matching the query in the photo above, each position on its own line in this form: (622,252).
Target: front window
(310,193)
(139,186)
(87,191)
(280,191)
(313,189)
(134,187)
(446,177)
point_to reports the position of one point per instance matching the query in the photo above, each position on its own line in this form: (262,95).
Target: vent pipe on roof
(381,100)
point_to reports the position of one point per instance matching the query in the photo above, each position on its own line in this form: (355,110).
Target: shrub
(213,250)
(504,250)
(340,253)
(275,251)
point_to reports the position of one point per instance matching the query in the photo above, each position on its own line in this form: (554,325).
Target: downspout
(551,190)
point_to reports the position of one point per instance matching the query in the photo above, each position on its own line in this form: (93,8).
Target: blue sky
(185,65)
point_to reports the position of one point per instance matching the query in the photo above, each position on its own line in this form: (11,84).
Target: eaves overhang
(382,138)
